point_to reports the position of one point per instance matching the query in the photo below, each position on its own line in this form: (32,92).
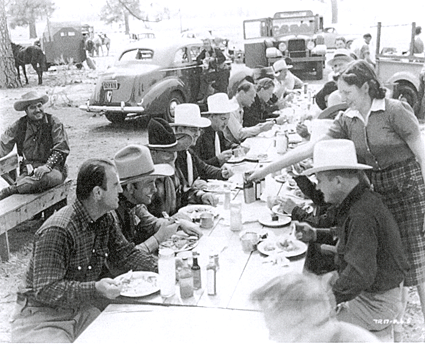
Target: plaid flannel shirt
(69,253)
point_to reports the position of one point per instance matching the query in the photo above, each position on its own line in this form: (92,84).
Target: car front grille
(296,48)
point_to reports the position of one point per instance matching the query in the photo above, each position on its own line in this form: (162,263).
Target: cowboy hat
(219,103)
(341,55)
(280,65)
(30,98)
(189,115)
(134,162)
(263,72)
(161,136)
(331,155)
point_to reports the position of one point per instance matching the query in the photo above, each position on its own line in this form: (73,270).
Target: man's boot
(8,191)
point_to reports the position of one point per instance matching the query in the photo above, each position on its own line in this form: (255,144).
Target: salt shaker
(167,272)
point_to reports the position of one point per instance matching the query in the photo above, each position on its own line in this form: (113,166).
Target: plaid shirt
(69,253)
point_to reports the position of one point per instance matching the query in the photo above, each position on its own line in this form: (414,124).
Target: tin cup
(249,242)
(207,220)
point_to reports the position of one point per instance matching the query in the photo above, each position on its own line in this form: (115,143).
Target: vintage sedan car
(150,78)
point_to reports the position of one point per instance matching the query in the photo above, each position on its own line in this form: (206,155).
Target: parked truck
(399,71)
(297,35)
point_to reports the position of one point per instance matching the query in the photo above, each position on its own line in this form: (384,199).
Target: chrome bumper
(122,108)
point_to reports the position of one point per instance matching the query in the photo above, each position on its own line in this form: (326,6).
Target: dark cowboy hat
(30,98)
(263,72)
(161,136)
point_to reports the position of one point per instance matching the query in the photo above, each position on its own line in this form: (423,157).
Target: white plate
(266,220)
(260,231)
(235,160)
(275,209)
(281,178)
(141,283)
(268,247)
(195,210)
(178,243)
(298,246)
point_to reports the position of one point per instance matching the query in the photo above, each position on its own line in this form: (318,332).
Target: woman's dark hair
(92,173)
(359,72)
(327,89)
(264,84)
(245,86)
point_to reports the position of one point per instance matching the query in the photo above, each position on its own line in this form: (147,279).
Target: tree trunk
(33,29)
(126,23)
(8,74)
(334,4)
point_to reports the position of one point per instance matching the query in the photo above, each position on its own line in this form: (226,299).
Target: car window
(137,54)
(181,56)
(195,51)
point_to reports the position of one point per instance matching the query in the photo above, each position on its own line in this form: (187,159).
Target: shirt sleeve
(52,251)
(148,225)
(60,137)
(240,133)
(359,254)
(337,128)
(404,121)
(8,139)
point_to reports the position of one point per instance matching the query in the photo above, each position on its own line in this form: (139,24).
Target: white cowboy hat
(335,155)
(342,55)
(30,98)
(189,115)
(280,65)
(219,103)
(134,162)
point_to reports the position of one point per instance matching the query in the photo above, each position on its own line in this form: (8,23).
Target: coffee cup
(249,242)
(207,220)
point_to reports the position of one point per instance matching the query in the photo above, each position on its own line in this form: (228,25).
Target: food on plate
(287,244)
(180,242)
(292,183)
(269,247)
(139,285)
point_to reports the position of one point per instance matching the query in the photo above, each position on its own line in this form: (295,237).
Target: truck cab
(293,34)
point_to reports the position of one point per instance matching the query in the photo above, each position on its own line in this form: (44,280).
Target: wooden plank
(18,208)
(9,163)
(4,247)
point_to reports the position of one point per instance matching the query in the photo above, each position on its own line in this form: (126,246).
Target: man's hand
(302,130)
(224,156)
(209,198)
(226,172)
(266,126)
(200,184)
(190,228)
(281,120)
(304,232)
(40,171)
(108,288)
(255,175)
(167,229)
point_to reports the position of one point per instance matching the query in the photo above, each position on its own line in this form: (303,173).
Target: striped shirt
(70,250)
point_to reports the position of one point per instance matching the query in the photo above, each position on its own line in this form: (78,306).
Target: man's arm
(60,149)
(200,57)
(206,171)
(220,58)
(240,133)
(360,257)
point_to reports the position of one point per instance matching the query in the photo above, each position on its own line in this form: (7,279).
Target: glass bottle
(227,195)
(211,277)
(186,280)
(248,190)
(196,272)
(235,216)
(167,272)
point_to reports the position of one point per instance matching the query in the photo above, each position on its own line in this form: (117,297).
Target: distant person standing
(364,52)
(418,45)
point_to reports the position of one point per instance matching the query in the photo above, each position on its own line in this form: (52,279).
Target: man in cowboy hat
(71,249)
(211,146)
(138,174)
(189,167)
(370,258)
(244,98)
(41,141)
(286,82)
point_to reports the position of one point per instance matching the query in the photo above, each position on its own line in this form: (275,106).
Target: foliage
(25,12)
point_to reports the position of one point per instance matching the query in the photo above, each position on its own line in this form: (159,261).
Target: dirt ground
(90,136)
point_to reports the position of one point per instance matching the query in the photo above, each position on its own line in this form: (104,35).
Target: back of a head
(92,173)
(418,30)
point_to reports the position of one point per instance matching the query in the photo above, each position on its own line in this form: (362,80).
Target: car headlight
(310,45)
(282,46)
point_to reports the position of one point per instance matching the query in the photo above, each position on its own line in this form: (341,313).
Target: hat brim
(160,170)
(335,167)
(230,108)
(200,123)
(21,105)
(341,57)
(332,111)
(178,146)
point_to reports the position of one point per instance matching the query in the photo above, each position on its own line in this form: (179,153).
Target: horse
(98,41)
(30,55)
(106,41)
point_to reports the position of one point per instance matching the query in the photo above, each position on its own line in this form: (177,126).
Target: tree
(8,75)
(26,12)
(334,4)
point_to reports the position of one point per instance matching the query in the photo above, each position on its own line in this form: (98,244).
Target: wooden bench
(18,208)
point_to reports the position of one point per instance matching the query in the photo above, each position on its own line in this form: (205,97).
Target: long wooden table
(239,274)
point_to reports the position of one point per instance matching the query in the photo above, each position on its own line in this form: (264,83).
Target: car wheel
(115,117)
(406,92)
(176,98)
